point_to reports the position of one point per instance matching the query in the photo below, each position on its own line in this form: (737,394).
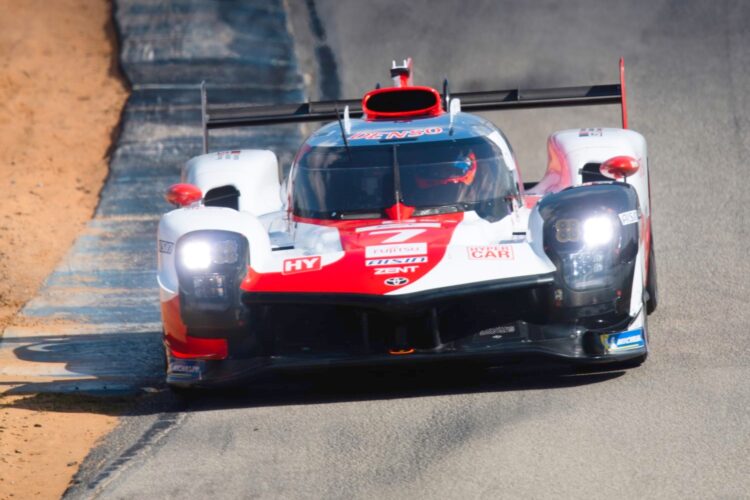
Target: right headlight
(586,248)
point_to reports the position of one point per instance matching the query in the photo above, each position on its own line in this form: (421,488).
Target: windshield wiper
(359,215)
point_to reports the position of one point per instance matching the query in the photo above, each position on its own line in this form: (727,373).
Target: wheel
(651,285)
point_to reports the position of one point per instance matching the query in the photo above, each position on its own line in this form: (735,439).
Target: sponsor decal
(396,281)
(630,217)
(186,369)
(491,252)
(375,251)
(165,246)
(396,261)
(623,341)
(395,134)
(395,270)
(301,265)
(228,155)
(590,132)
(498,331)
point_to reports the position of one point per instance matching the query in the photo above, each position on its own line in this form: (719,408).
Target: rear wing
(228,116)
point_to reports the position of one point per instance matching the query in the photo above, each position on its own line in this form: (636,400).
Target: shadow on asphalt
(131,366)
(350,385)
(110,364)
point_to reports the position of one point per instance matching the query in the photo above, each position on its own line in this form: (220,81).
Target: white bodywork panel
(570,150)
(180,222)
(253,172)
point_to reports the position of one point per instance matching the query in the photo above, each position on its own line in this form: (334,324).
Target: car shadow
(130,367)
(102,364)
(350,385)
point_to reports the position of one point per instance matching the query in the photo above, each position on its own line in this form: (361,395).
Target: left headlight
(210,266)
(199,254)
(598,231)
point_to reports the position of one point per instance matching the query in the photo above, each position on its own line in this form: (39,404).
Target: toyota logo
(397,281)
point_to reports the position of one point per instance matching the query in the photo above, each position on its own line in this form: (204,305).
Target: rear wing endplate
(228,116)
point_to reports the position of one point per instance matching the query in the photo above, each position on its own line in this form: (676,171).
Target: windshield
(434,177)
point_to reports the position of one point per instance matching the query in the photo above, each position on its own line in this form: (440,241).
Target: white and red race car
(403,233)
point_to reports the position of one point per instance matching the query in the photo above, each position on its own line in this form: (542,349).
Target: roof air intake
(402,102)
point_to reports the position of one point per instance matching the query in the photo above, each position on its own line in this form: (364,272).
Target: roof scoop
(402,102)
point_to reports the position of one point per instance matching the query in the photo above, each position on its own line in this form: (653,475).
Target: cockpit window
(434,177)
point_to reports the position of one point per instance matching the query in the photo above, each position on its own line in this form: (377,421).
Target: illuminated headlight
(199,255)
(587,251)
(597,231)
(196,255)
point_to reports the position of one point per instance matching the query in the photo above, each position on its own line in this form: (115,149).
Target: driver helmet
(461,171)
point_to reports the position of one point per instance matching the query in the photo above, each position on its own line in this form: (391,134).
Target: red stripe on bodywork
(350,274)
(646,236)
(623,94)
(182,345)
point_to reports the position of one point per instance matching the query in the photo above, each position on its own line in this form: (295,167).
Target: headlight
(199,255)
(210,266)
(593,249)
(597,231)
(586,248)
(196,255)
(594,231)
(587,268)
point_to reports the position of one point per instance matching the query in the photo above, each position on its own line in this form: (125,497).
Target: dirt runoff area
(60,102)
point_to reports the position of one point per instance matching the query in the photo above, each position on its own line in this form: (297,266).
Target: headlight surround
(586,246)
(210,266)
(593,249)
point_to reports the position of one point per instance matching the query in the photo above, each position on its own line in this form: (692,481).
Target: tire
(651,285)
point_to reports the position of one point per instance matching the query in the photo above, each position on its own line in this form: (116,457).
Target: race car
(403,233)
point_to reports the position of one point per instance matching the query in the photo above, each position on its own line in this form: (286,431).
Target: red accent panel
(183,194)
(175,330)
(624,99)
(433,110)
(180,344)
(375,250)
(646,236)
(197,348)
(399,211)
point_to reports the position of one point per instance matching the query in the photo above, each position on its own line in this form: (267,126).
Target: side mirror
(181,195)
(619,167)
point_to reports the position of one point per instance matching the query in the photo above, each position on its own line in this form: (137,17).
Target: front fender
(180,222)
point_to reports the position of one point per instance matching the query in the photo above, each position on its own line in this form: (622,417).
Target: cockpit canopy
(362,181)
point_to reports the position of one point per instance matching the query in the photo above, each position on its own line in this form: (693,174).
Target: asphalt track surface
(676,427)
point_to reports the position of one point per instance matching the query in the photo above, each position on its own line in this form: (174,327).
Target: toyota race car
(403,233)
